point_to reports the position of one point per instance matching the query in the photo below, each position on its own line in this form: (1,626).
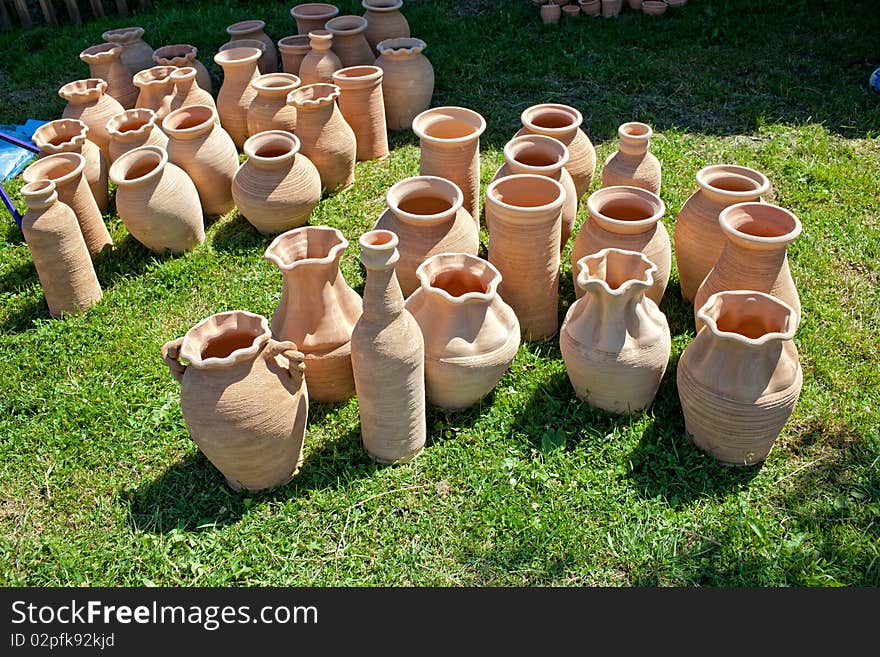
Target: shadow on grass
(238,236)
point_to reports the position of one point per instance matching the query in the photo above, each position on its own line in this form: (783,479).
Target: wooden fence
(25,13)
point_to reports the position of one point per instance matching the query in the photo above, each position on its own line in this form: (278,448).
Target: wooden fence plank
(73,12)
(97,8)
(48,12)
(4,16)
(24,15)
(122,7)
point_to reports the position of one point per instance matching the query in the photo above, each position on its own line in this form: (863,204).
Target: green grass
(100,483)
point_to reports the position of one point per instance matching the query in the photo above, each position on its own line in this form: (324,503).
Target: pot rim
(101,51)
(426,279)
(461,114)
(585,279)
(624,135)
(643,194)
(248,26)
(115,121)
(398,192)
(82,132)
(726,217)
(355,81)
(155,76)
(40,193)
(332,255)
(710,323)
(352,25)
(297,96)
(184,51)
(262,83)
(254,142)
(118,167)
(195,359)
(208,122)
(29,176)
(314,10)
(237,56)
(401,46)
(294,42)
(540,139)
(762,183)
(123,34)
(528,113)
(184,73)
(80,91)
(387,7)
(556,204)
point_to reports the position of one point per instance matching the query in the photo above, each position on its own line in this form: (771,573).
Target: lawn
(101,485)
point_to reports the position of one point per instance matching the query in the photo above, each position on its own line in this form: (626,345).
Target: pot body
(269,109)
(182,55)
(632,164)
(133,129)
(87,102)
(384,21)
(311,16)
(407,82)
(254,29)
(349,42)
(187,92)
(320,62)
(105,63)
(236,93)
(293,51)
(363,108)
(137,55)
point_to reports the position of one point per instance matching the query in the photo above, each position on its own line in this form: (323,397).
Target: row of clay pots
(552,11)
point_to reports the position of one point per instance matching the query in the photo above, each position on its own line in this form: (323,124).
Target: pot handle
(295,365)
(171,354)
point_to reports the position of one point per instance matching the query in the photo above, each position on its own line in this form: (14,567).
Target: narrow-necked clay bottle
(277,188)
(187,92)
(269,109)
(408,80)
(633,165)
(255,29)
(134,128)
(59,251)
(157,201)
(384,21)
(88,102)
(137,55)
(320,62)
(362,106)
(349,42)
(471,336)
(388,359)
(183,55)
(293,50)
(243,396)
(740,378)
(236,93)
(311,16)
(318,309)
(206,152)
(105,63)
(156,90)
(615,341)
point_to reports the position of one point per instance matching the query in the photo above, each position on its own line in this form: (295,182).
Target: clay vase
(524,212)
(450,148)
(632,165)
(611,8)
(471,336)
(388,359)
(754,255)
(205,151)
(363,108)
(277,188)
(312,16)
(243,396)
(740,378)
(384,21)
(132,129)
(88,102)
(187,92)
(550,14)
(157,201)
(698,235)
(156,90)
(105,63)
(236,93)
(245,43)
(564,123)
(254,29)
(318,310)
(320,62)
(426,214)
(69,136)
(183,55)
(66,171)
(408,80)
(349,42)
(626,218)
(269,109)
(615,341)
(591,7)
(543,156)
(136,54)
(326,139)
(59,251)
(293,50)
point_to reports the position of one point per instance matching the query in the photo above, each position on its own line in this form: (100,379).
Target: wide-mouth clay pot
(626,210)
(313,15)
(653,7)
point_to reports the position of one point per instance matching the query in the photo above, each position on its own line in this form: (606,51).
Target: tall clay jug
(269,109)
(311,16)
(408,80)
(318,310)
(360,101)
(349,42)
(183,55)
(243,396)
(320,62)
(132,129)
(88,102)
(293,51)
(255,29)
(137,55)
(236,93)
(633,165)
(384,21)
(187,92)
(156,90)
(105,63)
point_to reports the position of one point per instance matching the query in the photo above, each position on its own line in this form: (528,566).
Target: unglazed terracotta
(318,309)
(58,250)
(277,188)
(740,378)
(311,16)
(363,108)
(654,7)
(408,80)
(105,63)
(698,235)
(471,336)
(132,129)
(611,8)
(626,218)
(384,21)
(388,359)
(550,14)
(243,396)
(571,11)
(615,341)
(632,165)
(244,43)
(255,29)
(426,214)
(269,109)
(156,90)
(137,55)
(320,62)
(88,102)
(157,201)
(349,42)
(236,93)
(635,5)
(293,50)
(183,55)
(187,92)
(591,7)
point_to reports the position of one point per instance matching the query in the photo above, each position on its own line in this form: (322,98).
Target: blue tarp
(13,159)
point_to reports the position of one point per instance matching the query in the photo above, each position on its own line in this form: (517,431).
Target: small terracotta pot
(136,54)
(236,93)
(245,43)
(88,102)
(654,7)
(363,108)
(254,29)
(320,62)
(187,92)
(611,8)
(635,5)
(269,109)
(384,21)
(349,42)
(550,14)
(311,16)
(132,129)
(408,80)
(632,165)
(591,7)
(571,11)
(105,63)
(183,55)
(156,90)
(293,50)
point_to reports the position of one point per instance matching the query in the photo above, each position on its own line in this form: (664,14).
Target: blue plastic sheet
(13,159)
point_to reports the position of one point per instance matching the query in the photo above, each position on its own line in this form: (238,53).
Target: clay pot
(563,123)
(269,109)
(293,50)
(206,152)
(571,11)
(319,64)
(427,216)
(187,92)
(254,29)
(388,359)
(318,310)
(277,188)
(105,63)
(614,340)
(183,55)
(88,102)
(312,16)
(132,129)
(243,396)
(635,5)
(69,136)
(363,108)
(632,165)
(236,93)
(550,14)
(326,139)
(245,43)
(754,255)
(471,336)
(626,218)
(698,236)
(157,201)
(611,8)
(654,7)
(349,42)
(59,251)
(524,213)
(591,7)
(384,21)
(408,80)
(156,90)
(740,378)
(136,54)
(66,171)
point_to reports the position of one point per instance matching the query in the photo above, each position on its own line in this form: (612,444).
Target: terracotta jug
(156,90)
(236,93)
(254,29)
(550,14)
(615,341)
(66,171)
(384,21)
(269,109)
(277,188)
(754,254)
(408,80)
(59,251)
(320,62)
(157,201)
(524,212)
(311,16)
(183,55)
(206,152)
(136,54)
(626,218)
(363,108)
(698,235)
(293,50)
(388,359)
(105,63)
(349,42)
(134,128)
(318,310)
(471,336)
(187,92)
(632,165)
(741,377)
(88,102)
(326,139)
(69,136)
(243,397)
